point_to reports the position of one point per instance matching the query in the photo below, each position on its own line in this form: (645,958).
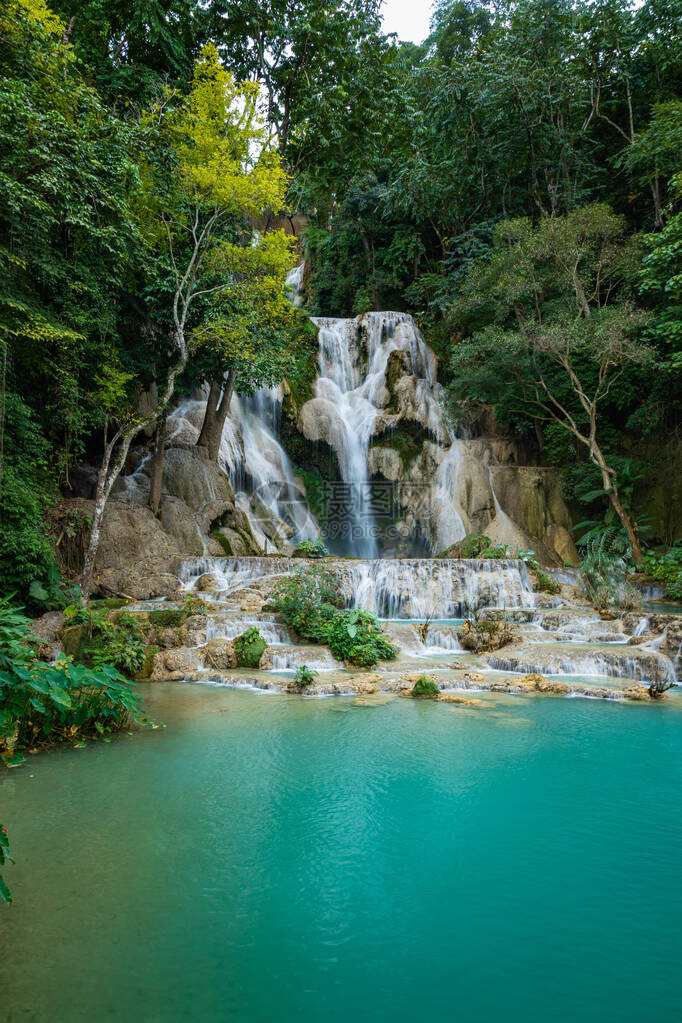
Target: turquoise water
(267,858)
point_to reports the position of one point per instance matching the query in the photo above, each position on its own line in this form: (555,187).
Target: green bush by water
(666,568)
(311,602)
(249,648)
(42,704)
(355,636)
(311,549)
(425,687)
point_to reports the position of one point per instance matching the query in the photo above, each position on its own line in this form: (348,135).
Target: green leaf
(4,892)
(38,592)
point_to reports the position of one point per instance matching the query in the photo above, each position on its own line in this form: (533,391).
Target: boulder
(460,700)
(174,665)
(220,654)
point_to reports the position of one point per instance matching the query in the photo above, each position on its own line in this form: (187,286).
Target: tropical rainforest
(515,182)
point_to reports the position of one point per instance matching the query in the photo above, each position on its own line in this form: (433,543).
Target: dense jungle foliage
(515,182)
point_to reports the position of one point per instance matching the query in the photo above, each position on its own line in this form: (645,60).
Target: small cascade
(258,467)
(229,626)
(392,588)
(447,588)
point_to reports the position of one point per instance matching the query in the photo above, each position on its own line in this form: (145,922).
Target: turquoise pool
(272,858)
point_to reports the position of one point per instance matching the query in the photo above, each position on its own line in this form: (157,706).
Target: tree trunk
(105,480)
(608,479)
(216,413)
(110,469)
(156,480)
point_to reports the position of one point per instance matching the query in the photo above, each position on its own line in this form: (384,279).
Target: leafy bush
(603,571)
(98,640)
(303,677)
(667,569)
(311,549)
(355,637)
(308,601)
(424,687)
(4,858)
(42,704)
(249,648)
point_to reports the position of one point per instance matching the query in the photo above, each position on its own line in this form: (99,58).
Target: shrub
(311,549)
(543,581)
(355,637)
(42,704)
(303,677)
(97,640)
(174,617)
(424,687)
(603,571)
(249,648)
(667,569)
(308,601)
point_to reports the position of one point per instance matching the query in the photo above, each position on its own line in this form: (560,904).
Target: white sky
(409,18)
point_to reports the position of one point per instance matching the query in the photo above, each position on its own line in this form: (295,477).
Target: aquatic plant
(355,636)
(303,677)
(425,687)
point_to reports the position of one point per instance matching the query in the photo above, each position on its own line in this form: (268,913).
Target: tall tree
(219,165)
(551,311)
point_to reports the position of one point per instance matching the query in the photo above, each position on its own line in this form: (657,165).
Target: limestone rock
(207,583)
(464,700)
(174,665)
(219,653)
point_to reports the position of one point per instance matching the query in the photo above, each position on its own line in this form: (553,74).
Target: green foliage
(303,677)
(311,549)
(249,648)
(308,601)
(42,704)
(666,567)
(543,581)
(355,637)
(604,564)
(174,617)
(424,687)
(4,858)
(102,638)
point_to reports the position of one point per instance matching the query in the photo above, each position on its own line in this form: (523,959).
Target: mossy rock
(425,689)
(249,648)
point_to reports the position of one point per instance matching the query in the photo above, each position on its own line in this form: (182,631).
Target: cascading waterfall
(424,588)
(349,397)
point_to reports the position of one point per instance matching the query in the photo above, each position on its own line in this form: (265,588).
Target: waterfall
(423,588)
(350,393)
(391,588)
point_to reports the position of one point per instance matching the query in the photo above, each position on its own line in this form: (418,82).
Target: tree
(303,53)
(222,168)
(551,308)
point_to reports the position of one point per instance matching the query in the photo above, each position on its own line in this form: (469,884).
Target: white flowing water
(351,390)
(423,588)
